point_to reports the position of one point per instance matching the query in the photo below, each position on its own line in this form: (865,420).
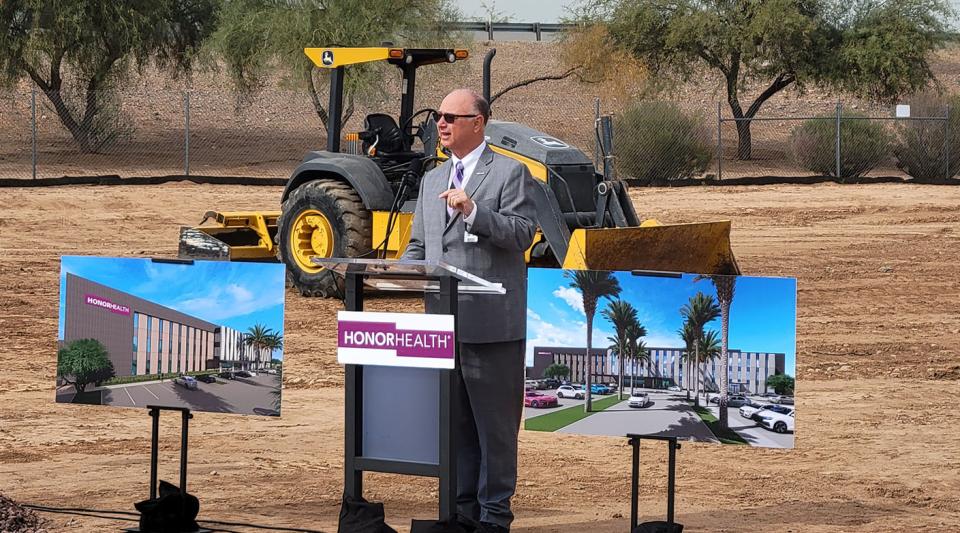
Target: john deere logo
(549,142)
(327,58)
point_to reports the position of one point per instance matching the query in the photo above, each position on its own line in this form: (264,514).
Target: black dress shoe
(487,527)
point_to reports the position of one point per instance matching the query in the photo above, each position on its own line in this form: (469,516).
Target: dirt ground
(878,369)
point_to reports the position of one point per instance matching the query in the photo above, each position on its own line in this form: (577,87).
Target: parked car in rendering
(748,411)
(569,391)
(552,383)
(786,400)
(242,374)
(596,388)
(207,378)
(777,421)
(735,400)
(538,399)
(639,399)
(673,388)
(186,382)
(227,375)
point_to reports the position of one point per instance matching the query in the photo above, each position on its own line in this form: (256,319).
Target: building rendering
(141,337)
(747,372)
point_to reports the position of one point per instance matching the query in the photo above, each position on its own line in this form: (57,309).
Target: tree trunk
(724,362)
(696,376)
(620,377)
(589,405)
(744,140)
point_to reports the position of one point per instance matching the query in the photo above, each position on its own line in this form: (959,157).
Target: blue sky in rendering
(762,316)
(236,295)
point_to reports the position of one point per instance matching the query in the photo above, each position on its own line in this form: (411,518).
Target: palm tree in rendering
(274,342)
(258,338)
(725,286)
(637,350)
(700,310)
(709,349)
(593,285)
(689,337)
(622,315)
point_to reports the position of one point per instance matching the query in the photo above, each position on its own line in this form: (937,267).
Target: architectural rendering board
(135,332)
(664,334)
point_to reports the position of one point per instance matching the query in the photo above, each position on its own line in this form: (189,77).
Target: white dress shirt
(469,164)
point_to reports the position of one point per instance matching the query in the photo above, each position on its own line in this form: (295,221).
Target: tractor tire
(321,218)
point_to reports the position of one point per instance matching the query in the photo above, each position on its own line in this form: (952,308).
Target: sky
(762,315)
(547,10)
(236,295)
(517,10)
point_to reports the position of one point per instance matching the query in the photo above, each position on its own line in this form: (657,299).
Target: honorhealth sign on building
(92,299)
(395,339)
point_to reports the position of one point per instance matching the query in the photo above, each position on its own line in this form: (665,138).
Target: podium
(399,419)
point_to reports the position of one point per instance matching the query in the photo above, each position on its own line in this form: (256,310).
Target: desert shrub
(863,145)
(922,145)
(658,141)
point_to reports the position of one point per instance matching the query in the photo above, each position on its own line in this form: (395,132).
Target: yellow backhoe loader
(347,205)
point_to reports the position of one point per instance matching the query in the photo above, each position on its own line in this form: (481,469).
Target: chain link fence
(206,133)
(166,131)
(657,142)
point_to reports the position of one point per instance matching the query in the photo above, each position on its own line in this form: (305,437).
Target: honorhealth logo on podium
(395,339)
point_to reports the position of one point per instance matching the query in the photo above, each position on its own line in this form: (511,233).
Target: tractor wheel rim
(312,236)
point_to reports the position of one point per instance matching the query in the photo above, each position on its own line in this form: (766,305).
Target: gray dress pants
(490,407)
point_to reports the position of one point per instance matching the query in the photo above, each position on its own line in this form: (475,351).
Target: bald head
(465,132)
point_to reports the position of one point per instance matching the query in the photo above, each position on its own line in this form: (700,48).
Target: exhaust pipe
(486,74)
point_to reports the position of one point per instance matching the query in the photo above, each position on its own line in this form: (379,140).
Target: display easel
(185,416)
(657,526)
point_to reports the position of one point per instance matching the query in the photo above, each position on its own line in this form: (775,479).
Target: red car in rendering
(536,399)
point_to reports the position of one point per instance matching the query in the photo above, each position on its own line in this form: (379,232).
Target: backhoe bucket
(236,236)
(697,248)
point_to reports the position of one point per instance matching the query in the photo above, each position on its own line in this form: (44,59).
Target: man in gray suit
(476,212)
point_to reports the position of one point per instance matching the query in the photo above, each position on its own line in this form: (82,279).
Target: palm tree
(637,350)
(699,311)
(725,286)
(689,337)
(709,349)
(274,342)
(258,337)
(622,315)
(593,285)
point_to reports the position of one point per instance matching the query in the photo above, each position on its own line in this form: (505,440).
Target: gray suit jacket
(502,191)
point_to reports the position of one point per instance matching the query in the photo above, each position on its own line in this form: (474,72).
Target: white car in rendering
(748,411)
(568,391)
(188,382)
(639,399)
(781,422)
(673,388)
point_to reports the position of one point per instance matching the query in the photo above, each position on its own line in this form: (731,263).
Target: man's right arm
(415,249)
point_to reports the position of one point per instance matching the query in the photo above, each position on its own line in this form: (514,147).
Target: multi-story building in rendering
(746,372)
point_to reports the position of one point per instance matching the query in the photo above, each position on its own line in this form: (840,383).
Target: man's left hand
(458,199)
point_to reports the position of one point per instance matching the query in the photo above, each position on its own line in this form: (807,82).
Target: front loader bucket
(697,248)
(237,236)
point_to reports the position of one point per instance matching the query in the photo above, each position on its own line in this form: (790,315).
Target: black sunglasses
(450,117)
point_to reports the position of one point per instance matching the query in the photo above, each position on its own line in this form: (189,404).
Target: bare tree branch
(526,82)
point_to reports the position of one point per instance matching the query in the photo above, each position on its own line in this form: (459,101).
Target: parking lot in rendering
(252,395)
(668,414)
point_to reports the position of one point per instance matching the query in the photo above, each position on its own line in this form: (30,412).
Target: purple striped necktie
(456,183)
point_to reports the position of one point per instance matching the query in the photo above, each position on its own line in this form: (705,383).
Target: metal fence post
(839,106)
(33,128)
(186,134)
(946,144)
(606,128)
(596,131)
(719,144)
